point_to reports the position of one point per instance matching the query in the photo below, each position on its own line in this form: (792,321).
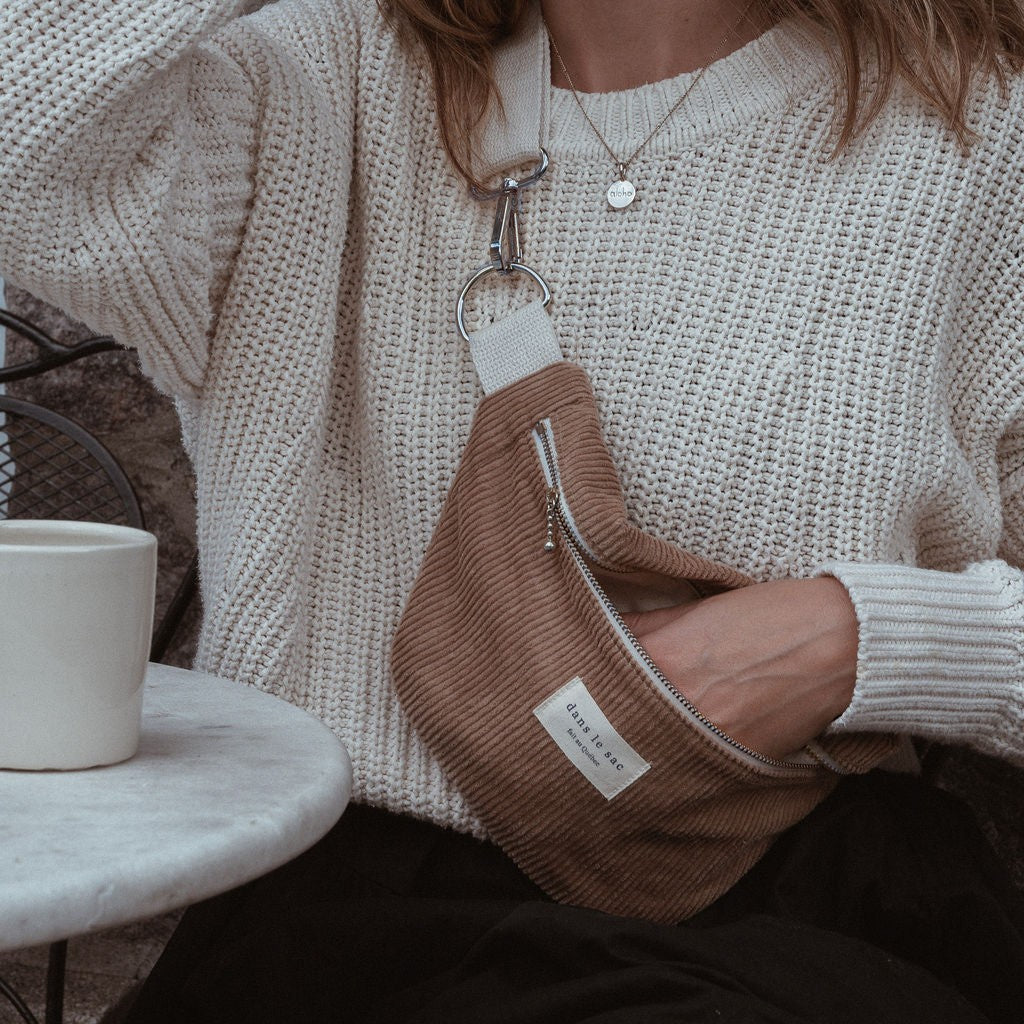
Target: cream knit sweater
(801,366)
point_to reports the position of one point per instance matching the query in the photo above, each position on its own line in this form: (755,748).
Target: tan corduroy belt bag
(598,777)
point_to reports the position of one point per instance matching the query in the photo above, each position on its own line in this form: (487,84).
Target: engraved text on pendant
(621,193)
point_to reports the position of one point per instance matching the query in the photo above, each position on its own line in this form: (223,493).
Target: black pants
(884,905)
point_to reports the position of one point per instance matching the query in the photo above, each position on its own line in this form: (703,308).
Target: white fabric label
(579,727)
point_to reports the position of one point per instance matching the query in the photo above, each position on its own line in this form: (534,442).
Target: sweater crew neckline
(762,76)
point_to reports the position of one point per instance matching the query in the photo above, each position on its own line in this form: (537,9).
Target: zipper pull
(552,511)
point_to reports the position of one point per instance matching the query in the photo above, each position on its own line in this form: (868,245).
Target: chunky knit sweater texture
(801,366)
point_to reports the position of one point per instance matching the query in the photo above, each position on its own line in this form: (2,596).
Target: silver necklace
(622,191)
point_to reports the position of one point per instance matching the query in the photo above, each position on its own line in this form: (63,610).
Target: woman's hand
(770,664)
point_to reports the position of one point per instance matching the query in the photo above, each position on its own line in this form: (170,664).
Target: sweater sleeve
(941,654)
(132,143)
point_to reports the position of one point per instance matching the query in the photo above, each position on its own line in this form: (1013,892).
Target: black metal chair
(53,468)
(51,353)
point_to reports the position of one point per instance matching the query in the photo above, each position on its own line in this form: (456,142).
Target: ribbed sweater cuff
(940,654)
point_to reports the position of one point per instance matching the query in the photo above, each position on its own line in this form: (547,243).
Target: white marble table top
(228,783)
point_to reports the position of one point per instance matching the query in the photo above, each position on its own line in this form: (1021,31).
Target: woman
(806,354)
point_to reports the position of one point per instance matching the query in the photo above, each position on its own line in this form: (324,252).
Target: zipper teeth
(641,653)
(580,557)
(568,526)
(541,430)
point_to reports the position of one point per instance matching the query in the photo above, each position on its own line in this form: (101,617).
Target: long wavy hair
(939,47)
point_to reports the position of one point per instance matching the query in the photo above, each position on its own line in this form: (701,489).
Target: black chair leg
(55,982)
(183,596)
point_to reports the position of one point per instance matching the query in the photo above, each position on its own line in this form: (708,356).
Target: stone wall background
(109,396)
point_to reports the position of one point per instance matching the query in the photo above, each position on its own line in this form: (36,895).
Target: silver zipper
(544,438)
(557,512)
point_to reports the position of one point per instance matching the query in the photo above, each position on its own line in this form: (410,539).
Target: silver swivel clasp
(505,251)
(506,248)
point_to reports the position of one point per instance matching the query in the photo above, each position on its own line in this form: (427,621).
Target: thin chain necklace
(622,191)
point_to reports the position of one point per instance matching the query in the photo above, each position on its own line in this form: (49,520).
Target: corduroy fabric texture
(496,625)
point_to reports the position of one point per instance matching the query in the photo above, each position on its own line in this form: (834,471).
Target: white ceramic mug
(76,615)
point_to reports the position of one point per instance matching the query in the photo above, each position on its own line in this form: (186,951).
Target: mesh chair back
(51,468)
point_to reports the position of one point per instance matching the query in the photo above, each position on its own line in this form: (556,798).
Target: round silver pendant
(621,193)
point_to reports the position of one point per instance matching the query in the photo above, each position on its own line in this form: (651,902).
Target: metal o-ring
(460,308)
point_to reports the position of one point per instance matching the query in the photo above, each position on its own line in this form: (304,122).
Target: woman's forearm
(772,664)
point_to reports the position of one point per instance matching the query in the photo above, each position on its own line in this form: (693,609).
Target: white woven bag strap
(514,347)
(522,73)
(524,341)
